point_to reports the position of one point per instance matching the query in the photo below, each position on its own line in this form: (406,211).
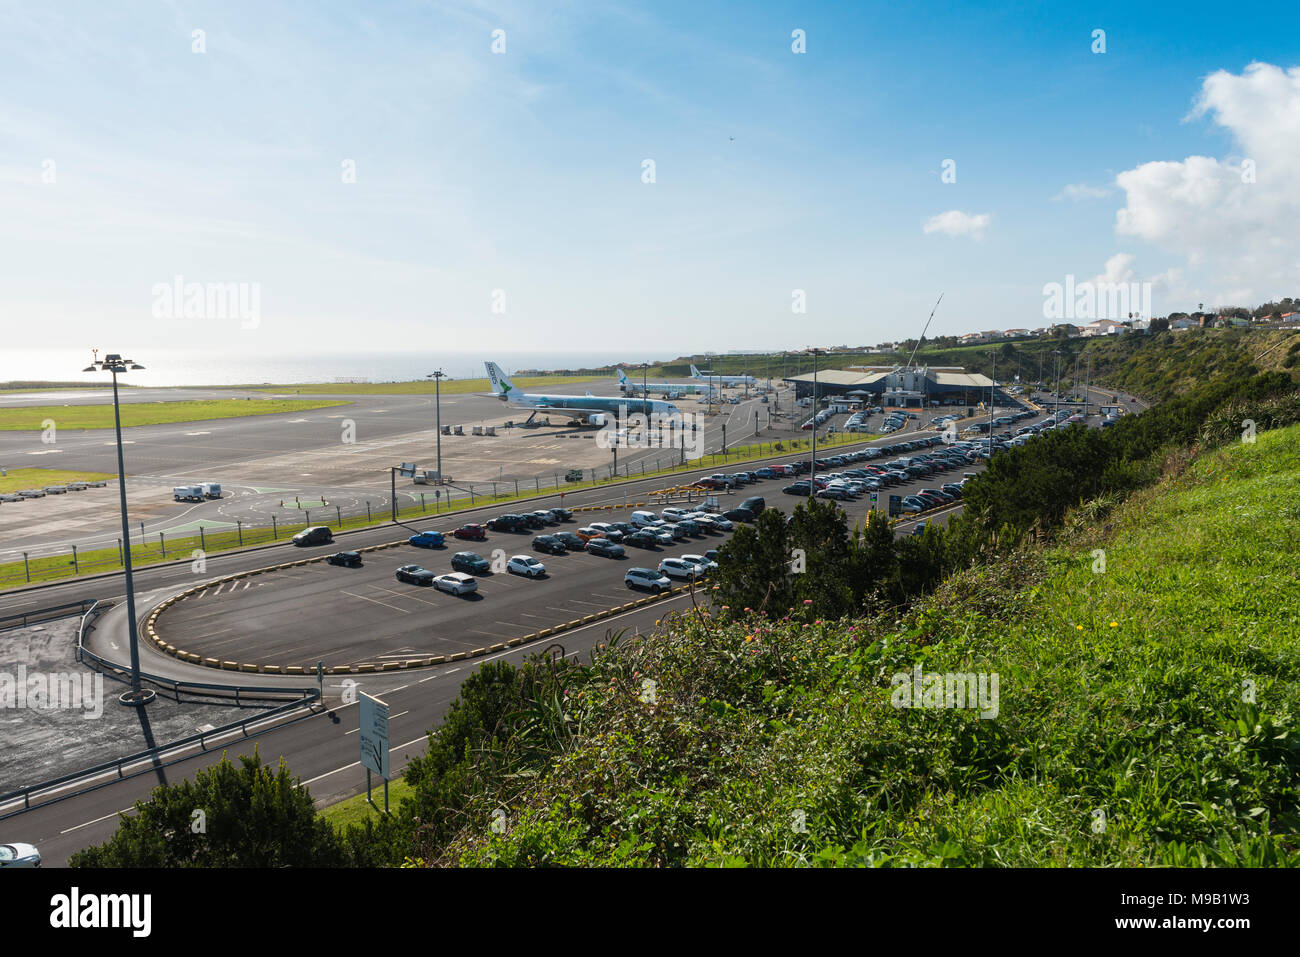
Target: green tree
(245,815)
(755,571)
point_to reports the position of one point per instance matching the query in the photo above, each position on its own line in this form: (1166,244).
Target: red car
(708,483)
(474,533)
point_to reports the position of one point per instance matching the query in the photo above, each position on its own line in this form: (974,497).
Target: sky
(378,177)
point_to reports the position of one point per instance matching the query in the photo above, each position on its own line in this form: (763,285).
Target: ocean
(202,367)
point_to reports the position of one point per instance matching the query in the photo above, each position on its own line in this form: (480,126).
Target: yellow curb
(230,666)
(365,669)
(294,670)
(458,656)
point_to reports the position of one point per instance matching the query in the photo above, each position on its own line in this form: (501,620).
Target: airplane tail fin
(501,384)
(695,373)
(622,377)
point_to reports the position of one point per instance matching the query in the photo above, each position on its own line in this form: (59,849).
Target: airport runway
(339,455)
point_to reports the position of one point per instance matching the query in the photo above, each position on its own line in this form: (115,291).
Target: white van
(187,493)
(674,514)
(646,520)
(211,489)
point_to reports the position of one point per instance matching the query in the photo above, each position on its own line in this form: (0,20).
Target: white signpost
(374,741)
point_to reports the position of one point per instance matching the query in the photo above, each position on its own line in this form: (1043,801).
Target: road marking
(357,764)
(377,602)
(97,820)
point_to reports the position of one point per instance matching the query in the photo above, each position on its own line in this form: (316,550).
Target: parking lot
(348,616)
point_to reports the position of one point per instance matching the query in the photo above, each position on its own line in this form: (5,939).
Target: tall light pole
(812,472)
(114,363)
(437,378)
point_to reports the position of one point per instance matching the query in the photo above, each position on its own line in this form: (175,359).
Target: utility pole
(812,472)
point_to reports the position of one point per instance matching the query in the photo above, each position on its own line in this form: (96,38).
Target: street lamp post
(437,378)
(812,473)
(114,363)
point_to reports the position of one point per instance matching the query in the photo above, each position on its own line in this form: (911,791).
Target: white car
(525,565)
(661,533)
(607,530)
(457,583)
(646,520)
(674,514)
(19,855)
(705,522)
(704,564)
(680,568)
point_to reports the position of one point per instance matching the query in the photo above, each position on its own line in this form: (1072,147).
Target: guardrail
(52,613)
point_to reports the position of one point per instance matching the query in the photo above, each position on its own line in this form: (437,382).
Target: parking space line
(404,611)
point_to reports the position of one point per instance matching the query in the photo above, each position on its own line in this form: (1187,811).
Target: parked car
(428,539)
(607,530)
(738,515)
(473,533)
(347,559)
(19,855)
(679,568)
(545,516)
(646,519)
(532,520)
(32,493)
(507,523)
(605,548)
(471,563)
(648,579)
(562,515)
(572,541)
(550,544)
(316,535)
(798,488)
(705,564)
(456,583)
(588,533)
(415,575)
(642,539)
(525,565)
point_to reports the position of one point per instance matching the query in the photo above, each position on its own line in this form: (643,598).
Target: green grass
(419,386)
(1158,696)
(18,479)
(150,413)
(355,810)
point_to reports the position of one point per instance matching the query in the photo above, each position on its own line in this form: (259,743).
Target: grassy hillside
(1145,713)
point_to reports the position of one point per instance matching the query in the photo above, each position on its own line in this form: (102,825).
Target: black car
(347,559)
(603,546)
(550,544)
(507,523)
(532,520)
(415,575)
(641,539)
(798,488)
(562,514)
(317,535)
(570,540)
(471,563)
(739,514)
(754,504)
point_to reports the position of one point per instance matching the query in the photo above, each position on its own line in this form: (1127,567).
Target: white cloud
(1081,191)
(956,223)
(1236,235)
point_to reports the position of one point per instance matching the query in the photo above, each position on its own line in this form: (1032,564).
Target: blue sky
(522,171)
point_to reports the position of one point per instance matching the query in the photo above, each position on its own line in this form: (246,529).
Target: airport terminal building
(900,386)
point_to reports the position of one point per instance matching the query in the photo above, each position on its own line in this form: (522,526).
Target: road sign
(374,735)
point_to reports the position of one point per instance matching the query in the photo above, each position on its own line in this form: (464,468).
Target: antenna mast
(925,329)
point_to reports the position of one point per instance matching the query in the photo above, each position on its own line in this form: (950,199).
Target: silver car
(457,583)
(19,855)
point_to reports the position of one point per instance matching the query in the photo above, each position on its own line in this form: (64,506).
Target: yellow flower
(1114,624)
(1080,627)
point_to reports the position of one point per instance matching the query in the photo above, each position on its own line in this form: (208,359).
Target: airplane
(723,379)
(632,386)
(589,409)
